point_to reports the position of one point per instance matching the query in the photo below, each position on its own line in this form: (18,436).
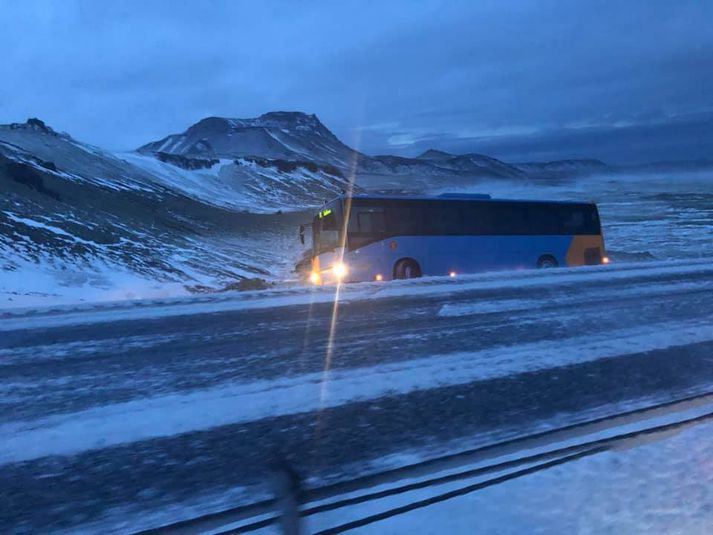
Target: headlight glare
(340,270)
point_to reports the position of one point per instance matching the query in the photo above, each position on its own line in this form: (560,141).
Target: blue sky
(621,81)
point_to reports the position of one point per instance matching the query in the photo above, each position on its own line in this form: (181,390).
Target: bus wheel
(546,262)
(407,268)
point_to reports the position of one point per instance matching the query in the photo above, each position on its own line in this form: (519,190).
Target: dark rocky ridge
(563,168)
(289,166)
(186,163)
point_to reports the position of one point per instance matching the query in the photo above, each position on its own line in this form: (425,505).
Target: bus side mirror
(302,234)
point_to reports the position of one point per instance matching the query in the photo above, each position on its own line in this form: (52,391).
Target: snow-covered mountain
(281,135)
(472,164)
(298,137)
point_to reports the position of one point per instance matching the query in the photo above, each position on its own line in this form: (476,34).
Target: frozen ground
(126,415)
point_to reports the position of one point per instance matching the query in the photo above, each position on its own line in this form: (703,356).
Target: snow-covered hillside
(246,183)
(77,222)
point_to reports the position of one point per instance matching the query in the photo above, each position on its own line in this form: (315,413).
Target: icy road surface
(119,417)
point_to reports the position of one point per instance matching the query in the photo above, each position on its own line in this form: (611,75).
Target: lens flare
(314,278)
(324,390)
(452,274)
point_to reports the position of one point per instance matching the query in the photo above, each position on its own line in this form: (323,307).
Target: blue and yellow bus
(378,237)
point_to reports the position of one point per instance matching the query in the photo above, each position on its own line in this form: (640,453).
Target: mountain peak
(35,124)
(288,116)
(273,119)
(435,154)
(216,125)
(288,119)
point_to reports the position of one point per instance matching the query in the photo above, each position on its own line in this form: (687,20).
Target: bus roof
(453,197)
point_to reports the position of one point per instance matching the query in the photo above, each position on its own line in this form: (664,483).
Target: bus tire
(407,268)
(547,261)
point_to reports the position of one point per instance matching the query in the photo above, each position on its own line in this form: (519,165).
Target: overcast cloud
(621,81)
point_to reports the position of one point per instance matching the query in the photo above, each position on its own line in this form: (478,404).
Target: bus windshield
(326,231)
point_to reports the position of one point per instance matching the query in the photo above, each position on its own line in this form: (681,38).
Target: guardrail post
(287,489)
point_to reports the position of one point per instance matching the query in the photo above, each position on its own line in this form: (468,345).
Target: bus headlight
(340,270)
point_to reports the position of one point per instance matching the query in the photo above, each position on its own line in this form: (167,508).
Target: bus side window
(509,219)
(573,220)
(543,219)
(369,221)
(478,219)
(593,220)
(580,219)
(366,225)
(405,219)
(444,219)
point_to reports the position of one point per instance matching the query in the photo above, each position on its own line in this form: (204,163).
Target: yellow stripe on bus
(575,253)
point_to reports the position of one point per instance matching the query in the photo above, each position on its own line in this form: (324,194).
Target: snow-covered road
(120,416)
